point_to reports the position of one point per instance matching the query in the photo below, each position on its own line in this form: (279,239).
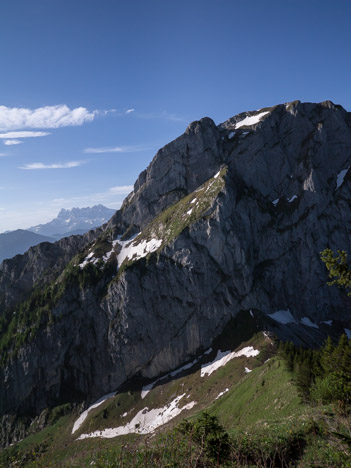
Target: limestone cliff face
(226,218)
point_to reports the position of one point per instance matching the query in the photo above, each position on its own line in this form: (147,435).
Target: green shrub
(207,432)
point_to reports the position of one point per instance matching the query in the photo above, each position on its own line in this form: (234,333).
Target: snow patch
(328,322)
(189,212)
(275,202)
(267,337)
(231,135)
(85,413)
(282,316)
(209,186)
(87,260)
(222,393)
(91,259)
(247,370)
(348,333)
(290,200)
(216,175)
(340,177)
(193,200)
(306,321)
(146,389)
(145,421)
(135,250)
(251,313)
(252,120)
(225,356)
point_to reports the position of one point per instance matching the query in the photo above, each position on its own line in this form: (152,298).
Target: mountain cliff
(226,219)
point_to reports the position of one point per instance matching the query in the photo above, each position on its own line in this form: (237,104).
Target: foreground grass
(261,416)
(307,444)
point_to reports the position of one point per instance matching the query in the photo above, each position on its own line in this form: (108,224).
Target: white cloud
(3,155)
(16,118)
(24,134)
(38,166)
(129,111)
(12,142)
(116,149)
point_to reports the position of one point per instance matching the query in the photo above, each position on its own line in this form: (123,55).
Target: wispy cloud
(151,115)
(39,166)
(17,118)
(121,189)
(112,197)
(3,155)
(12,142)
(117,149)
(161,115)
(25,134)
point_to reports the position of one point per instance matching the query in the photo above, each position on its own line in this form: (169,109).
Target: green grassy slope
(267,423)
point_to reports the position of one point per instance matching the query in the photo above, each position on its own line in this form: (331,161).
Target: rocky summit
(227,220)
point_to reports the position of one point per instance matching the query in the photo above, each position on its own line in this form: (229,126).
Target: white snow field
(340,177)
(282,316)
(145,421)
(85,413)
(146,389)
(132,249)
(254,119)
(225,356)
(306,321)
(222,393)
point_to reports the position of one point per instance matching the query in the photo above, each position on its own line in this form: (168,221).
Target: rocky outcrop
(38,266)
(282,194)
(19,241)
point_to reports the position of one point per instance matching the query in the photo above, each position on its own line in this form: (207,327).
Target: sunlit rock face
(225,218)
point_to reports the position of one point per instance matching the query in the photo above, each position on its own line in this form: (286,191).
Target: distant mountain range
(67,223)
(74,221)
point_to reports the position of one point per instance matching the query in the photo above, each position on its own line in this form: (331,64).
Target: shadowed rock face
(257,247)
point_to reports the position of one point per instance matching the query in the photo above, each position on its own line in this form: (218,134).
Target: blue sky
(90,89)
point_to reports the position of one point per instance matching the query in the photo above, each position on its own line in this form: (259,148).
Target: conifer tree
(327,356)
(338,268)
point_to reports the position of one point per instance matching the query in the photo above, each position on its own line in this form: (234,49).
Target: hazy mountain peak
(74,221)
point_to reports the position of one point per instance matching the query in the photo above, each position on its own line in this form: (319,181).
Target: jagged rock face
(283,199)
(19,241)
(39,265)
(176,170)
